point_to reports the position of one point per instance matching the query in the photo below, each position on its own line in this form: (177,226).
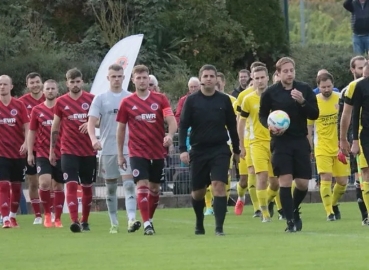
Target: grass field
(248,244)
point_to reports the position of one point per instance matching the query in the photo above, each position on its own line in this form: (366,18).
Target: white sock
(112,201)
(129,188)
(12,215)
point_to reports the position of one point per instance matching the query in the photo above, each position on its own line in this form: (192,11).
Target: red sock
(45,200)
(58,203)
(52,196)
(72,200)
(15,197)
(35,202)
(153,202)
(143,202)
(4,198)
(86,202)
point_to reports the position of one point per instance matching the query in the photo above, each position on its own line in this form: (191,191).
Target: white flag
(123,53)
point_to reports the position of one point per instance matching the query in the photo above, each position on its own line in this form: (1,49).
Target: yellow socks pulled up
(338,191)
(263,202)
(366,194)
(277,201)
(271,194)
(208,198)
(241,191)
(252,192)
(326,195)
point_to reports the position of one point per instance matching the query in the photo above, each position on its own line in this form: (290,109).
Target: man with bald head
(193,86)
(14,121)
(323,71)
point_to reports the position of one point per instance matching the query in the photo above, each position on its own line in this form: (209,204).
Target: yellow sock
(252,192)
(277,201)
(271,194)
(366,194)
(208,197)
(293,187)
(338,191)
(241,191)
(228,187)
(263,201)
(326,195)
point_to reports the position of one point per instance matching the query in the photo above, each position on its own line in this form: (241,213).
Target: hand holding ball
(278,122)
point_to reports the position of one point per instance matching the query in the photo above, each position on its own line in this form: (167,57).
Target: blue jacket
(316,90)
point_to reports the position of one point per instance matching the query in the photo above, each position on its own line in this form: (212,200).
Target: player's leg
(70,167)
(209,202)
(129,188)
(273,186)
(219,165)
(32,179)
(155,176)
(241,187)
(44,171)
(364,150)
(360,162)
(5,169)
(340,172)
(252,183)
(278,204)
(302,173)
(59,198)
(87,175)
(18,169)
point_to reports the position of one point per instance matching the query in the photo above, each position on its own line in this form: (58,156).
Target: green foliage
(310,59)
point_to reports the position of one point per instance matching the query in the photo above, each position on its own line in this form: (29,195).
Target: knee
(302,184)
(44,185)
(219,188)
(129,186)
(198,195)
(154,188)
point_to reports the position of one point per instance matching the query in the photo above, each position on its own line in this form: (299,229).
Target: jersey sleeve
(167,110)
(33,121)
(57,109)
(310,122)
(122,115)
(239,101)
(95,108)
(349,93)
(245,108)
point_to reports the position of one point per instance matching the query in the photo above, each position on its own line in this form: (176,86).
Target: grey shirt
(105,106)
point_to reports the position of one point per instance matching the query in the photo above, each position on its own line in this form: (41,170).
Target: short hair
(154,79)
(73,73)
(244,71)
(257,64)
(221,76)
(33,75)
(7,76)
(50,81)
(193,79)
(140,69)
(283,61)
(260,68)
(207,67)
(356,58)
(324,77)
(115,67)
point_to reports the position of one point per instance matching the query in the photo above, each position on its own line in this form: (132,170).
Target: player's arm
(184,124)
(122,119)
(346,112)
(32,132)
(265,107)
(310,105)
(179,110)
(55,129)
(169,117)
(231,124)
(356,109)
(244,114)
(310,128)
(93,118)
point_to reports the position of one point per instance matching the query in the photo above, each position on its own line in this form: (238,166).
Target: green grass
(248,244)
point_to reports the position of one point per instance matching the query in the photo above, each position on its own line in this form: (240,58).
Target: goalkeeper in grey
(102,114)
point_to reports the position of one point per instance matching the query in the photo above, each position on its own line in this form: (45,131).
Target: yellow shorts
(329,164)
(362,160)
(262,157)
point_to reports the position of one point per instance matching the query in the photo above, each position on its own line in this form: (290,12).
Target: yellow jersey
(233,100)
(240,98)
(325,127)
(351,90)
(250,112)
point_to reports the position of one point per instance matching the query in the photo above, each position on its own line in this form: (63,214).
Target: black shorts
(31,170)
(12,169)
(364,141)
(146,169)
(80,169)
(44,167)
(209,165)
(291,156)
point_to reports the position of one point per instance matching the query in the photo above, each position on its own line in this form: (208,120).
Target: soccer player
(330,162)
(34,97)
(209,114)
(105,107)
(50,176)
(259,141)
(291,149)
(14,127)
(145,113)
(78,158)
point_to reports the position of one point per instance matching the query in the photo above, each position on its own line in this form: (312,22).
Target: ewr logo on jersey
(82,117)
(8,121)
(47,123)
(148,117)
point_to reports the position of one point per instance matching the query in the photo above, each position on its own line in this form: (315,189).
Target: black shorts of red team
(145,120)
(44,167)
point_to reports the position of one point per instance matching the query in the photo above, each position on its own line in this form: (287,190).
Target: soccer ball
(278,121)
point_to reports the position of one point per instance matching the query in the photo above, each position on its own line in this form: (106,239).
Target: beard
(327,95)
(36,90)
(75,90)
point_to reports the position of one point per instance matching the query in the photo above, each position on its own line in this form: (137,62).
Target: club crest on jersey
(65,176)
(154,106)
(85,106)
(38,169)
(122,61)
(14,112)
(135,173)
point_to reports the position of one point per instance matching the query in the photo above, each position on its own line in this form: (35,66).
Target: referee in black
(209,113)
(291,149)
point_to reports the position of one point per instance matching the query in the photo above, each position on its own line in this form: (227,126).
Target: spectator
(243,79)
(153,84)
(359,10)
(193,86)
(323,71)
